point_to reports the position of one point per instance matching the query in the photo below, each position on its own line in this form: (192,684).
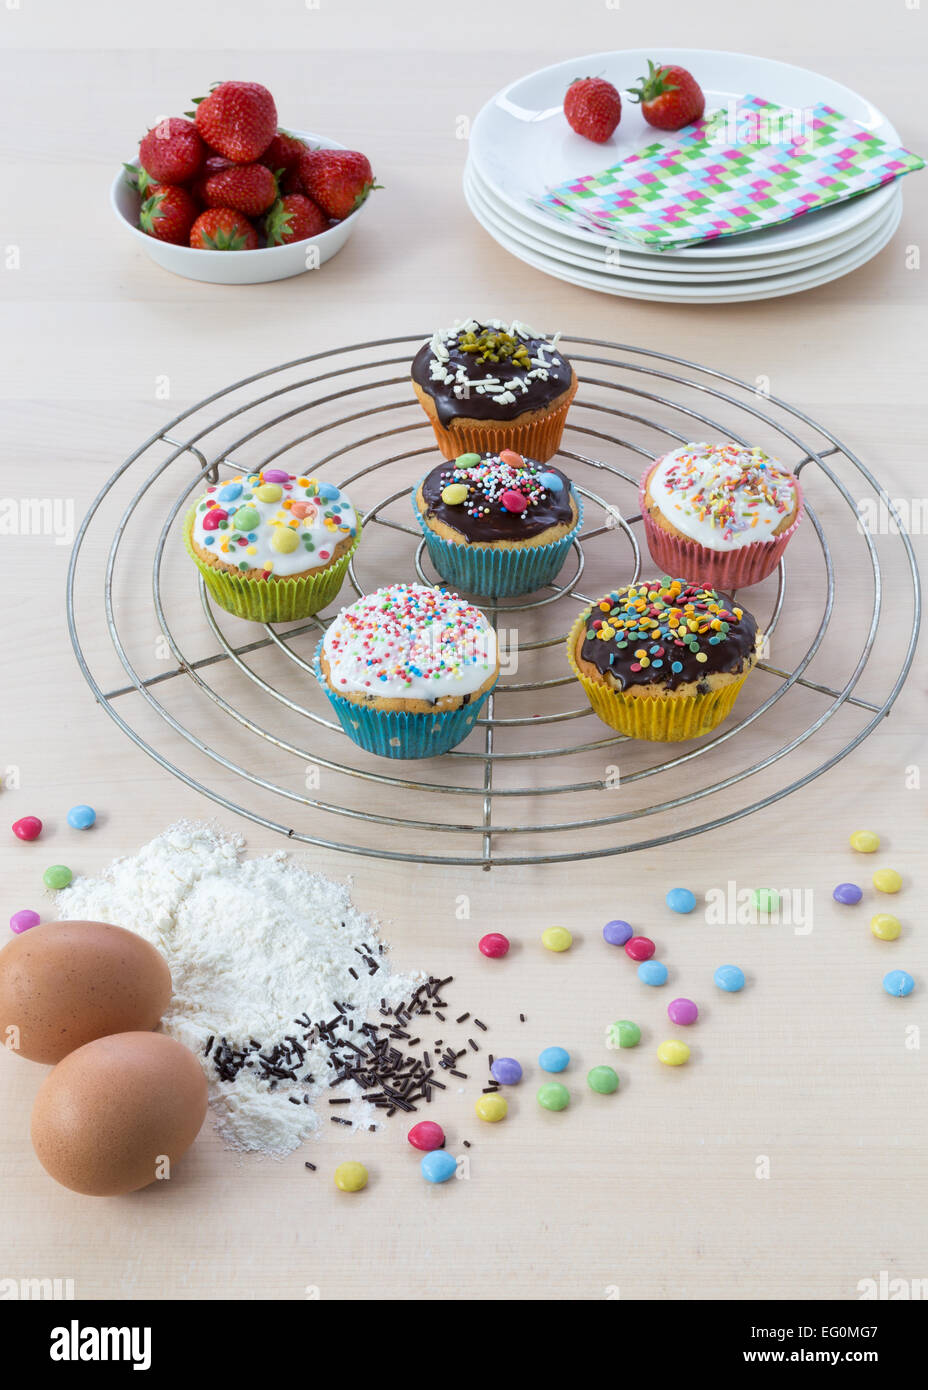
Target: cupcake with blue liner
(497,524)
(407,670)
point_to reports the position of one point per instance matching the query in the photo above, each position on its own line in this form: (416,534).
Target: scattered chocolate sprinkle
(310,1166)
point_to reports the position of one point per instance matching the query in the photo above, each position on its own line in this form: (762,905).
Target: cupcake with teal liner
(497,525)
(272,546)
(407,670)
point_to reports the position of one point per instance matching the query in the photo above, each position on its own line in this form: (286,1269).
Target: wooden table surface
(787,1160)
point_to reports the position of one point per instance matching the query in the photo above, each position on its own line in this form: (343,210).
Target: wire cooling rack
(233,709)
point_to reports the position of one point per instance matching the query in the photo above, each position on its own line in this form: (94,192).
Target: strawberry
(172,151)
(237,119)
(593,108)
(294,218)
(223,229)
(212,164)
(283,152)
(248,188)
(670,96)
(338,180)
(168,213)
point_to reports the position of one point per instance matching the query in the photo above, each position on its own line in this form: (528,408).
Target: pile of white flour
(251,945)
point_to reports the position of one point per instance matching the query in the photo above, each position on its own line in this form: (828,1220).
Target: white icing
(722,495)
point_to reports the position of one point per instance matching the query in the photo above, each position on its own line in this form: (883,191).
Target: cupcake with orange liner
(663,660)
(719,512)
(492,386)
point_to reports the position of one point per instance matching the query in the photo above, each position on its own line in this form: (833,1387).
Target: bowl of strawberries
(231,180)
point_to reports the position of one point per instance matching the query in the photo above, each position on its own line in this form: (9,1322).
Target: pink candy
(513,501)
(275,475)
(27,828)
(24,919)
(494,945)
(213,517)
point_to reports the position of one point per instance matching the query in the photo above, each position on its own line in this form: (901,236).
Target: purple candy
(24,919)
(848,893)
(682,1011)
(617,933)
(275,475)
(506,1070)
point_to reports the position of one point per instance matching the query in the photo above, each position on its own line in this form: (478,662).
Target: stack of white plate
(521,145)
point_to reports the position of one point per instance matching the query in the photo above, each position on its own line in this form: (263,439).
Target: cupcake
(663,660)
(407,669)
(272,546)
(489,386)
(719,512)
(497,524)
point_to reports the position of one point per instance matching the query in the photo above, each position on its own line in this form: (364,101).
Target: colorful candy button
(603,1080)
(350,1177)
(512,500)
(765,899)
(57,876)
(553,1095)
(550,481)
(673,1053)
(556,939)
(467,460)
(454,494)
(426,1135)
(24,920)
(328,491)
(492,1108)
(865,842)
(506,1070)
(680,900)
(554,1059)
(730,978)
(887,881)
(284,540)
(898,983)
(214,518)
(682,1011)
(27,828)
(269,492)
(848,894)
(624,1033)
(81,817)
(246,518)
(640,948)
(652,972)
(494,945)
(229,492)
(510,456)
(275,475)
(885,927)
(617,933)
(438,1166)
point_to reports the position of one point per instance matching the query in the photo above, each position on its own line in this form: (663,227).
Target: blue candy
(553,1059)
(680,900)
(898,983)
(328,491)
(617,933)
(551,481)
(438,1166)
(652,972)
(229,492)
(507,1071)
(81,817)
(730,978)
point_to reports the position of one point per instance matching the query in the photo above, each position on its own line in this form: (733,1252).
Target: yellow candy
(350,1177)
(454,494)
(887,881)
(865,841)
(284,540)
(269,492)
(673,1053)
(885,927)
(492,1108)
(556,939)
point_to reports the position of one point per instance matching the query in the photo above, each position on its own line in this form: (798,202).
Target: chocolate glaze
(552,508)
(727,655)
(482,405)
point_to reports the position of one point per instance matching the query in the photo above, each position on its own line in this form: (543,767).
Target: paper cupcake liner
(722,569)
(271,600)
(397,733)
(497,571)
(540,439)
(664,718)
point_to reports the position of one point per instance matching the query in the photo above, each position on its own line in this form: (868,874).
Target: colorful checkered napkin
(736,170)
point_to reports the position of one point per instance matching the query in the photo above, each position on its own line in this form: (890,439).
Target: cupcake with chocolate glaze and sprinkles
(497,524)
(271,545)
(663,660)
(493,386)
(407,670)
(719,512)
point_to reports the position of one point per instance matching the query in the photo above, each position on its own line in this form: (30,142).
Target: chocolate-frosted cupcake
(663,660)
(497,524)
(492,386)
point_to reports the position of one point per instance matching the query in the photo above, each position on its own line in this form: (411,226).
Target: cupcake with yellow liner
(492,386)
(272,546)
(663,660)
(719,512)
(497,524)
(407,670)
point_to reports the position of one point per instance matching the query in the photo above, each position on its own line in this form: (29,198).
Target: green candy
(57,876)
(246,518)
(624,1033)
(603,1080)
(553,1096)
(765,899)
(467,460)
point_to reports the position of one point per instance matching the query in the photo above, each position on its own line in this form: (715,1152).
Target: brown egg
(63,984)
(118,1113)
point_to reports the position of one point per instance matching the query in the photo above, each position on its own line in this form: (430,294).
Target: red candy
(213,517)
(513,501)
(639,948)
(28,828)
(427,1135)
(494,945)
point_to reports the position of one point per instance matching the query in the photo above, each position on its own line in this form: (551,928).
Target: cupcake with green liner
(497,524)
(664,659)
(272,546)
(407,670)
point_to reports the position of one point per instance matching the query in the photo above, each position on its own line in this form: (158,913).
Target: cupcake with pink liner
(720,513)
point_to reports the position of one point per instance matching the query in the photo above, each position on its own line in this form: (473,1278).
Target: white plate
(521,144)
(661,269)
(685,292)
(236,267)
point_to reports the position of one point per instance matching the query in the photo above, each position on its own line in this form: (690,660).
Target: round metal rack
(234,711)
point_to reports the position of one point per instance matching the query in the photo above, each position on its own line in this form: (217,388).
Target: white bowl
(236,267)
